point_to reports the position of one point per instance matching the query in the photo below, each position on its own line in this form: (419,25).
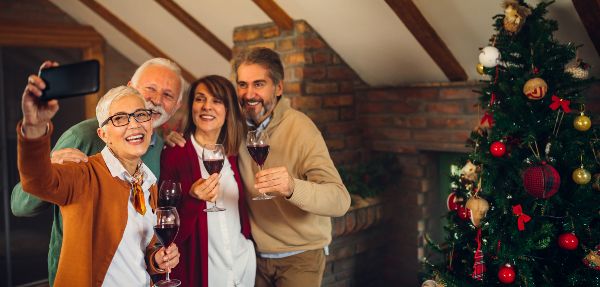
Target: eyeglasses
(122,119)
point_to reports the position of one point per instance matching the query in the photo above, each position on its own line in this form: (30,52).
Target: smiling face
(257,92)
(131,141)
(208,113)
(161,87)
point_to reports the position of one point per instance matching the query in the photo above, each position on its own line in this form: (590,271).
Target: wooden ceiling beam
(589,13)
(195,26)
(410,15)
(276,13)
(133,35)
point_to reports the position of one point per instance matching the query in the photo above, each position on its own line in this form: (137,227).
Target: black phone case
(71,80)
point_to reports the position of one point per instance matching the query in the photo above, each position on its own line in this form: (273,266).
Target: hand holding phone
(70,80)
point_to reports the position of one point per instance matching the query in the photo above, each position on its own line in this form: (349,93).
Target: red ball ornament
(506,274)
(498,149)
(568,241)
(463,212)
(541,181)
(452,201)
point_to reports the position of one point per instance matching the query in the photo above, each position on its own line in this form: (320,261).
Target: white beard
(164,116)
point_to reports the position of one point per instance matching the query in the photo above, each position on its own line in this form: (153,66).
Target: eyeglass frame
(129,115)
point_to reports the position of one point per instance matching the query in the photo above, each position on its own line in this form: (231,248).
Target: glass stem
(168,271)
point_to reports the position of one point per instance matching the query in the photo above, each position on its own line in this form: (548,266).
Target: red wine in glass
(169,194)
(259,153)
(166,228)
(258,148)
(213,165)
(213,158)
(166,233)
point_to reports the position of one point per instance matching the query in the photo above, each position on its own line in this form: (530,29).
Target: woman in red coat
(215,247)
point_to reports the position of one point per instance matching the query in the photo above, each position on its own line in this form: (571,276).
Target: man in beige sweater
(292,230)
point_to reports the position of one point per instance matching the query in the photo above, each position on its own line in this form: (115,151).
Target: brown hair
(234,128)
(265,57)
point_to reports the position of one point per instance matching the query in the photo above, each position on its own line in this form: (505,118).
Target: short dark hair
(265,57)
(234,127)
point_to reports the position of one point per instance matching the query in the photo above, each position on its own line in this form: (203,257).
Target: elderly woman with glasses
(108,202)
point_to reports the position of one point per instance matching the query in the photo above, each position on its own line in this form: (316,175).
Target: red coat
(181,164)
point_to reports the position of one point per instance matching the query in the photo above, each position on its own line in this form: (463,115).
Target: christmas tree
(524,210)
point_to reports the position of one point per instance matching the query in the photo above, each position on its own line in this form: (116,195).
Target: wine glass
(169,194)
(258,147)
(166,228)
(213,158)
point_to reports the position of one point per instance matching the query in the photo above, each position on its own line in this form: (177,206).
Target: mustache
(159,111)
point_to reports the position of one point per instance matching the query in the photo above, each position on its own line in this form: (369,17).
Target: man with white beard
(160,82)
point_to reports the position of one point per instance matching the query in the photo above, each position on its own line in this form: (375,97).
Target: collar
(117,170)
(154,138)
(262,125)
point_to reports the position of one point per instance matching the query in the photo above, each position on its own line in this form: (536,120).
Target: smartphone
(71,80)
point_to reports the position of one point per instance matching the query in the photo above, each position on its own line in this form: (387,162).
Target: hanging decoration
(479,69)
(489,57)
(592,259)
(506,274)
(478,263)
(535,89)
(478,206)
(579,70)
(522,218)
(582,122)
(514,15)
(568,241)
(498,149)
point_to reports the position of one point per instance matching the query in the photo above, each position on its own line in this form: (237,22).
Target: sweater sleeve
(39,177)
(25,204)
(319,189)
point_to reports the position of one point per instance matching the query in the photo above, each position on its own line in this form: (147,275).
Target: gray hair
(103,106)
(264,57)
(164,63)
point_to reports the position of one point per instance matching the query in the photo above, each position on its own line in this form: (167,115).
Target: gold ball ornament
(582,123)
(596,181)
(480,69)
(535,89)
(479,208)
(581,176)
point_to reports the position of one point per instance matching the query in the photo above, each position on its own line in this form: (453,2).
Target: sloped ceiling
(367,34)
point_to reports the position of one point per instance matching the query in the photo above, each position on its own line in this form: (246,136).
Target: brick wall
(317,81)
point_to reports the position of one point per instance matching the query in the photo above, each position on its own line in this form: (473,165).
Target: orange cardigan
(93,205)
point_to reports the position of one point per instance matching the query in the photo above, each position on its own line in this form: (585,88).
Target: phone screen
(71,80)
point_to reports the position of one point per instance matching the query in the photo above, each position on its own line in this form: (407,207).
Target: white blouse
(231,257)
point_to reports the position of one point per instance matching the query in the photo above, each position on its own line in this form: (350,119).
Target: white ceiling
(367,34)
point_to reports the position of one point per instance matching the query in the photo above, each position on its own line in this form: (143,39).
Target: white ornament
(489,57)
(429,283)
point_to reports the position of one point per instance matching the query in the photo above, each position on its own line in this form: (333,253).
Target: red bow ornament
(522,218)
(560,103)
(487,117)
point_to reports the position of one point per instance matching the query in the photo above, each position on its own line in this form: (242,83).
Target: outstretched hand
(37,113)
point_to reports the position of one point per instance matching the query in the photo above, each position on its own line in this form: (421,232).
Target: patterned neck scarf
(137,179)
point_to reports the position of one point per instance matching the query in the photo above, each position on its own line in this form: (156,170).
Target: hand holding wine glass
(258,147)
(169,194)
(213,158)
(166,228)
